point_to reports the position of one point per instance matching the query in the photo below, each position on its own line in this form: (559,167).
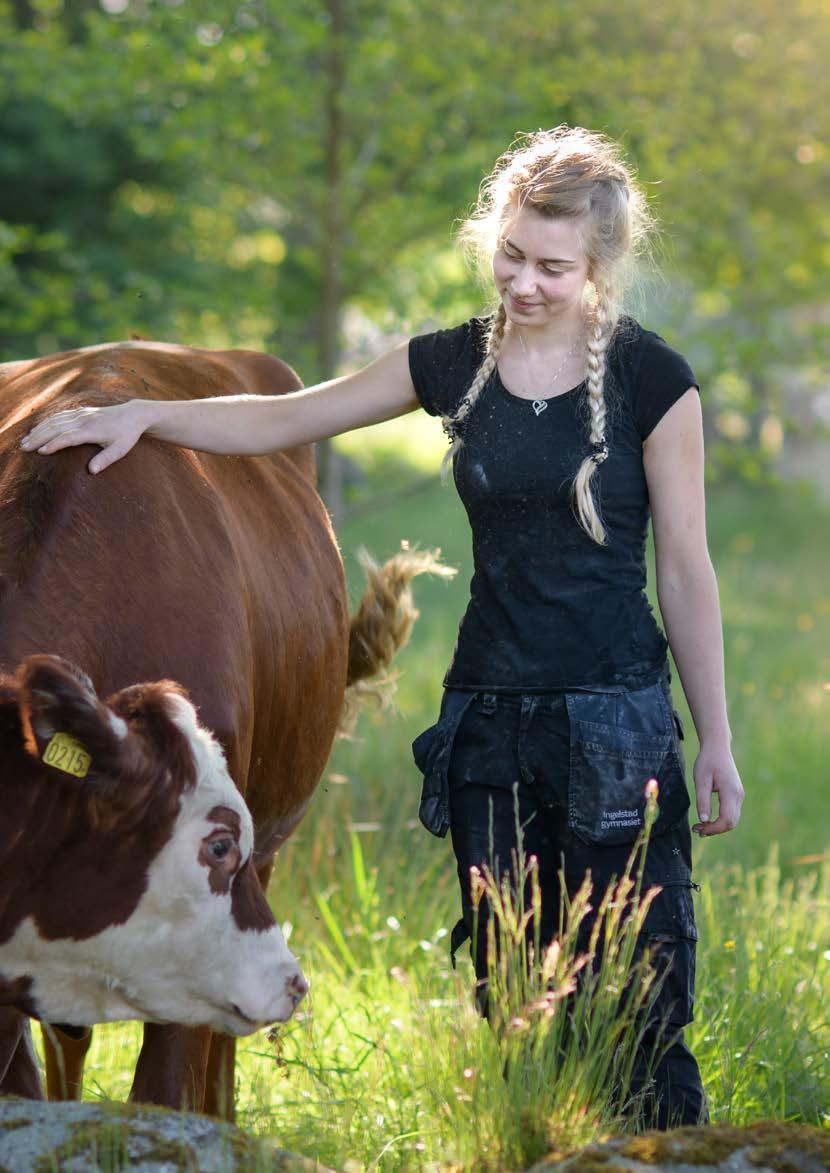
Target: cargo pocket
(618,741)
(431,751)
(670,936)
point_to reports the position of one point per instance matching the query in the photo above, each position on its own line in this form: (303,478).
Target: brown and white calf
(125,863)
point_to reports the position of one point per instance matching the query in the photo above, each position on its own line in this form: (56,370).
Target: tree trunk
(74,14)
(329,464)
(24,14)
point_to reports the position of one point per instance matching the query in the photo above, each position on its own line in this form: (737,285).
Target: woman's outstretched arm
(688,595)
(240,425)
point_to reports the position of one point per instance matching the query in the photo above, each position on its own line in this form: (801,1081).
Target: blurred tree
(239,171)
(24,14)
(732,118)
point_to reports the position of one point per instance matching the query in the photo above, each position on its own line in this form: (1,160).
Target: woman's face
(539,268)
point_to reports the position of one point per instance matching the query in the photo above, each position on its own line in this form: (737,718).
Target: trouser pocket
(670,935)
(618,741)
(431,751)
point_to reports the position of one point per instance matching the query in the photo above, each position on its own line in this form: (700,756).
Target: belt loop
(489,702)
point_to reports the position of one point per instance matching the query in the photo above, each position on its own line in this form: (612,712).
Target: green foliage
(109,219)
(238,174)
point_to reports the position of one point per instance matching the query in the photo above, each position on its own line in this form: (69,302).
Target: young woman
(570,424)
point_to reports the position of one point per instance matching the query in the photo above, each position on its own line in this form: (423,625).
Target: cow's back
(219,572)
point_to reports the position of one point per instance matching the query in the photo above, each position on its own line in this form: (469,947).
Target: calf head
(127,888)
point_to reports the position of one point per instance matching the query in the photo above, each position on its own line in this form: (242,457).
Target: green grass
(387,1066)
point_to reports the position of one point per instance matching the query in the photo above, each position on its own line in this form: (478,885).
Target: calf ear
(64,723)
(154,712)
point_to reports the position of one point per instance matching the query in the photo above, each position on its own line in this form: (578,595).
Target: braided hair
(604,320)
(575,174)
(452,424)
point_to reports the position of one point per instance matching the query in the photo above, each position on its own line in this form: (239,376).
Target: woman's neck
(553,338)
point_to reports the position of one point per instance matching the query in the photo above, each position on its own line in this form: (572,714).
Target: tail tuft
(383,622)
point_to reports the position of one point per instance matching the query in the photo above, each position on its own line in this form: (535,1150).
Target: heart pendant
(539,405)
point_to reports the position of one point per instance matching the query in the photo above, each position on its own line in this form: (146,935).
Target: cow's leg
(19,1075)
(171,1067)
(65,1054)
(221,1070)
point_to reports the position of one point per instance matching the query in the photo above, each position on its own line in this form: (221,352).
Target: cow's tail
(382,624)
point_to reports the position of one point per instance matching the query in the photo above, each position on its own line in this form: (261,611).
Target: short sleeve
(662,378)
(442,365)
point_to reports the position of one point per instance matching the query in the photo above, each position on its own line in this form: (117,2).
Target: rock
(768,1146)
(107,1137)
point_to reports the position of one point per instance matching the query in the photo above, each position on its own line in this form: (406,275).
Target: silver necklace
(539,405)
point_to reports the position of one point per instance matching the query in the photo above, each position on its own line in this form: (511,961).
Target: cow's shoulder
(268,374)
(114,371)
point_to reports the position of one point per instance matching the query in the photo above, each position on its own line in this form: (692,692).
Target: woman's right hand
(115,429)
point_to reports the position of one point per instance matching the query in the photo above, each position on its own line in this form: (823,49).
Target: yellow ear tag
(65,753)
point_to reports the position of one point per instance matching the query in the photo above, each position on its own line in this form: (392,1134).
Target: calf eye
(220,848)
(220,854)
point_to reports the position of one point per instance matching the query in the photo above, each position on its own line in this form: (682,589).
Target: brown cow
(221,573)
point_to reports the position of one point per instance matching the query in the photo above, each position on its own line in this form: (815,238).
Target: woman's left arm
(688,595)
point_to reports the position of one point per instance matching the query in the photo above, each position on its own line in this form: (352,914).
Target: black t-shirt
(549,608)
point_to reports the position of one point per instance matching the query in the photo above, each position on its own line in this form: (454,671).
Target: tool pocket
(618,741)
(431,751)
(670,936)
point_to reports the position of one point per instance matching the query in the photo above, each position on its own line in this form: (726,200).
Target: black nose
(296,987)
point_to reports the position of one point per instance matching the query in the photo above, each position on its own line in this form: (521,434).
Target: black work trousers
(573,767)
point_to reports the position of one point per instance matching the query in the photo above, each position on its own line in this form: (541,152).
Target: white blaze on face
(249,972)
(181,956)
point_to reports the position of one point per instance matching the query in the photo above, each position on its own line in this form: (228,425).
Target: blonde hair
(575,174)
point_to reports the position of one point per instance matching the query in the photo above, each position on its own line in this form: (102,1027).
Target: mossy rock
(768,1146)
(38,1137)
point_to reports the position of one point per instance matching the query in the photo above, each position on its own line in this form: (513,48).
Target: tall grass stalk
(568,1016)
(388,1066)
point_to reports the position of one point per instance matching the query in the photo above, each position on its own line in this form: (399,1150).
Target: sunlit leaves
(164,108)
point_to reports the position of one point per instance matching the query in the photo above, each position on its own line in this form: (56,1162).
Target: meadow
(387,1066)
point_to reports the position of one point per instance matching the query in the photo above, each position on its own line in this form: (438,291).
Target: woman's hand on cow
(115,429)
(715,772)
